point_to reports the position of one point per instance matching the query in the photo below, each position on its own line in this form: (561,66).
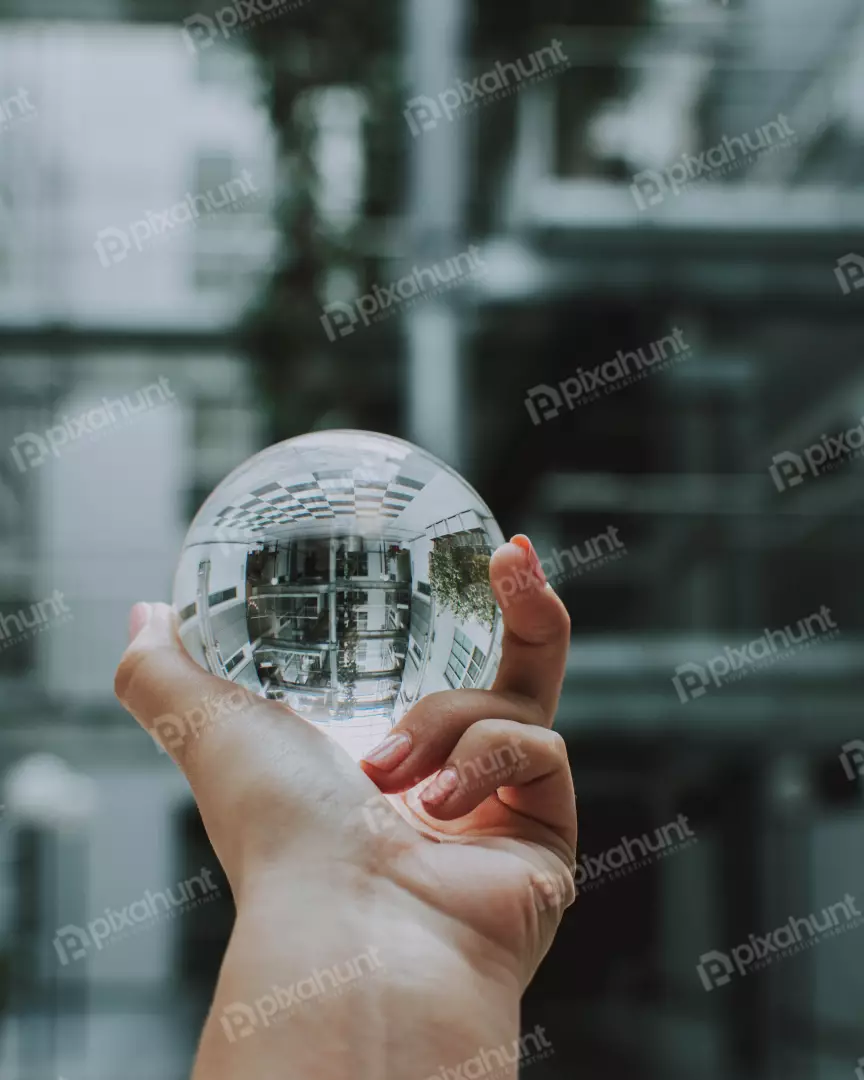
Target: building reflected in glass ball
(345,574)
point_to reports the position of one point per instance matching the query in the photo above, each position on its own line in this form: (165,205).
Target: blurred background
(203,211)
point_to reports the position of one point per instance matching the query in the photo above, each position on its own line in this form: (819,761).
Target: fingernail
(390,753)
(522,541)
(441,788)
(139,616)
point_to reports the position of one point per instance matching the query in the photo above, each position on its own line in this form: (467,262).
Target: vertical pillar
(435,59)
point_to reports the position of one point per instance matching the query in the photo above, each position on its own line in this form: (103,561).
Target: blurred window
(218,425)
(228,67)
(5,232)
(238,210)
(465,663)
(220,597)
(234,661)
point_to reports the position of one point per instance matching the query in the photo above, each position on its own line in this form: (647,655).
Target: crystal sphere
(346,574)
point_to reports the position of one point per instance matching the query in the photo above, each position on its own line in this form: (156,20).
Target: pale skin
(457,901)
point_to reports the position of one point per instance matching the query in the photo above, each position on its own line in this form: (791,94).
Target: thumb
(220,734)
(260,773)
(159,683)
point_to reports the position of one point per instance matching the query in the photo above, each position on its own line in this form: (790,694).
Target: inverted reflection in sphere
(346,574)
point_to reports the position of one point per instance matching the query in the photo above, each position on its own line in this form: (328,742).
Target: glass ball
(346,574)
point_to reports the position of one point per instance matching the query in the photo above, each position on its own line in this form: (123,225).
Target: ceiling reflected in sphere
(345,574)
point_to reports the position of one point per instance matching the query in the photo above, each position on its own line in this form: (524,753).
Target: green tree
(459,579)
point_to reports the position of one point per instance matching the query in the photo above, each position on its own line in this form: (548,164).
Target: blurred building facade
(589,250)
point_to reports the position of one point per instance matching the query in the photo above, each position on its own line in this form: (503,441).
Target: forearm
(317,986)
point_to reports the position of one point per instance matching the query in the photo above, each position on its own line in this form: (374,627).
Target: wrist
(353,981)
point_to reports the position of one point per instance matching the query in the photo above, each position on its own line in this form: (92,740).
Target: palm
(493,871)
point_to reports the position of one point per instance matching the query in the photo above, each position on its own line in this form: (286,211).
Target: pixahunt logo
(573,562)
(632,854)
(201,31)
(552,892)
(788,470)
(239,1020)
(20,625)
(563,566)
(498,765)
(794,936)
(545,402)
(113,245)
(852,759)
(16,109)
(849,271)
(378,815)
(31,449)
(651,187)
(490,1062)
(171,732)
(72,942)
(341,319)
(693,680)
(426,113)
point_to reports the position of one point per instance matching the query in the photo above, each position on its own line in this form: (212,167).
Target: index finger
(536,626)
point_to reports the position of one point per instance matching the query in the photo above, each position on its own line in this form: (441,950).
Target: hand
(499,818)
(470,887)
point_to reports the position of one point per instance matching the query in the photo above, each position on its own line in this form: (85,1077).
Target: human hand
(472,886)
(499,817)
